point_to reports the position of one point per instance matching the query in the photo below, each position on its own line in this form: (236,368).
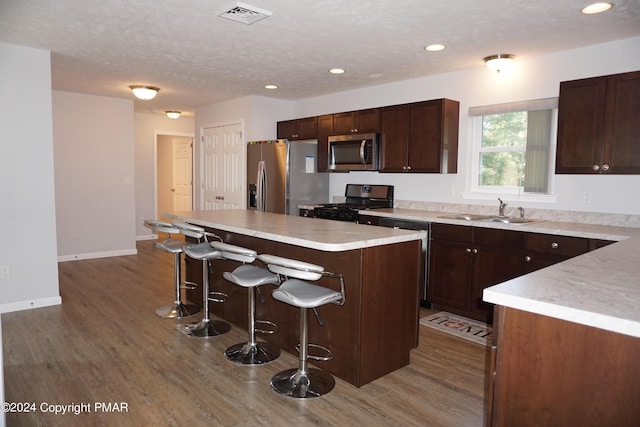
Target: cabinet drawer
(500,238)
(557,245)
(459,233)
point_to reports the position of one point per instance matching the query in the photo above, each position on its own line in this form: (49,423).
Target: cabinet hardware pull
(554,245)
(409,168)
(605,167)
(468,250)
(595,167)
(475,251)
(527,259)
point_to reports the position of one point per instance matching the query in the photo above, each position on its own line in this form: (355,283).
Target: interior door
(223,173)
(181,177)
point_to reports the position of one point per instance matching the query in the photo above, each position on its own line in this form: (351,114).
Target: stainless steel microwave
(355,152)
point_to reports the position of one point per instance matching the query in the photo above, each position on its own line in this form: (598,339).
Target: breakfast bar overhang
(373,333)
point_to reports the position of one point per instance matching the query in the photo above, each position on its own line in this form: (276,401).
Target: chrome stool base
(207,328)
(293,383)
(247,354)
(177,310)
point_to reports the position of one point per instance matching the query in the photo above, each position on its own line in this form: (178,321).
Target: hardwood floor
(105,344)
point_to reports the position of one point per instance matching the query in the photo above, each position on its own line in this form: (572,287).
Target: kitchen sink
(491,218)
(511,220)
(467,217)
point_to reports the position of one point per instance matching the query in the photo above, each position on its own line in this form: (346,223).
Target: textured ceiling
(102,46)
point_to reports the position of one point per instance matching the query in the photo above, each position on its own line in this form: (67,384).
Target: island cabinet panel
(551,372)
(598,126)
(371,335)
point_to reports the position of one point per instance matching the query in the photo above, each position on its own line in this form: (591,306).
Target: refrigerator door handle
(262,187)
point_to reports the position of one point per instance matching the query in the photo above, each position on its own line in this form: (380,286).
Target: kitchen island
(567,336)
(373,333)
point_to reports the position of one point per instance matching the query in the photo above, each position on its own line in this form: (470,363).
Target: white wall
(533,78)
(94,175)
(27,206)
(147,126)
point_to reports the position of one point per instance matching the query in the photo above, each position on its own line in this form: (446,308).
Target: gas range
(358,197)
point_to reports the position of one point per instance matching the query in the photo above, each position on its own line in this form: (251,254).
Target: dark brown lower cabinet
(464,260)
(551,372)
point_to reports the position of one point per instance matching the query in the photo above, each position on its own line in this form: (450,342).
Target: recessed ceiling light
(596,8)
(271,87)
(337,71)
(435,47)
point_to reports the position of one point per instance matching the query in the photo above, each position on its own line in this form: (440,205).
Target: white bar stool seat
(304,382)
(251,352)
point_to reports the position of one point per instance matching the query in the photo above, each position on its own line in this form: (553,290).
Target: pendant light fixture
(144,92)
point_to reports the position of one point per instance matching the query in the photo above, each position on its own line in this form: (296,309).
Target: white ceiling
(102,46)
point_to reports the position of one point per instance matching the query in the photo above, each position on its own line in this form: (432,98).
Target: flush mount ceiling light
(244,13)
(271,87)
(435,47)
(144,92)
(499,62)
(173,114)
(596,8)
(337,71)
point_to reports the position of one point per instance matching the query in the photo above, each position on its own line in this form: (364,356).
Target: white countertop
(321,234)
(599,289)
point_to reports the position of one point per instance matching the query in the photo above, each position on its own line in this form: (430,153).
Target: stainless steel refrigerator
(283,174)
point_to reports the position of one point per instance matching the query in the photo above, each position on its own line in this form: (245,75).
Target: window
(512,147)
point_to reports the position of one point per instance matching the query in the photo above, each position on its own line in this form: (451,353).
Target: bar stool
(251,352)
(303,382)
(204,252)
(178,309)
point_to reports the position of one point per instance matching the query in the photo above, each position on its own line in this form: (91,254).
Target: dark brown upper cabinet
(298,129)
(599,125)
(361,121)
(420,137)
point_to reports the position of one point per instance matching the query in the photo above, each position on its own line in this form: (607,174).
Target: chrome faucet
(521,210)
(501,207)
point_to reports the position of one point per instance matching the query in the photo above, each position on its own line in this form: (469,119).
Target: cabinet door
(433,141)
(344,123)
(368,121)
(394,139)
(491,265)
(449,273)
(325,130)
(307,128)
(497,256)
(287,129)
(622,138)
(298,129)
(362,121)
(581,125)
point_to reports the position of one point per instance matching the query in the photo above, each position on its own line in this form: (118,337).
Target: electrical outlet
(5,272)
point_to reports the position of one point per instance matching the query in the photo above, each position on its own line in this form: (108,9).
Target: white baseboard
(27,305)
(93,255)
(147,237)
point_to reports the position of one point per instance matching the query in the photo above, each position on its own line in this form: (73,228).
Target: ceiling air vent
(245,13)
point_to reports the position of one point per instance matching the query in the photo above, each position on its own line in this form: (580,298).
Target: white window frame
(477,192)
